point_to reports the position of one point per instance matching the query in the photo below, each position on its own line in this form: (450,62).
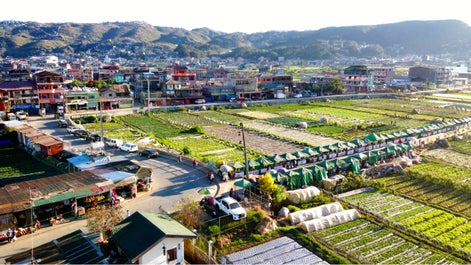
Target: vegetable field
(373,244)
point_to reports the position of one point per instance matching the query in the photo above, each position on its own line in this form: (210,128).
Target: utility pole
(147,76)
(245,152)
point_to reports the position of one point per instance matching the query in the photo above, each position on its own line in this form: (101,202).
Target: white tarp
(329,220)
(316,212)
(299,195)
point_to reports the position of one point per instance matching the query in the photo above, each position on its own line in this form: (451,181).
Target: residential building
(19,95)
(116,96)
(431,74)
(358,79)
(182,86)
(50,90)
(382,75)
(78,98)
(150,238)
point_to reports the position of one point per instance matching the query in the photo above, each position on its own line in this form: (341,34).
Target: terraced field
(290,134)
(256,141)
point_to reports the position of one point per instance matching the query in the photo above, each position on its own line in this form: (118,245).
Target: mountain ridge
(141,40)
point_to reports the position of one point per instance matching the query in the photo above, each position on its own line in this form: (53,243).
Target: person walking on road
(180,158)
(10,235)
(195,163)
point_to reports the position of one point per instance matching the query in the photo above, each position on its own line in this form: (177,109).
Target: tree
(267,184)
(190,213)
(277,193)
(101,219)
(77,83)
(337,85)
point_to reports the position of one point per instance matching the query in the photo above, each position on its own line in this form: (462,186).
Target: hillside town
(45,84)
(312,187)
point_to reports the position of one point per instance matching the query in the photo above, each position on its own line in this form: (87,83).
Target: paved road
(172,182)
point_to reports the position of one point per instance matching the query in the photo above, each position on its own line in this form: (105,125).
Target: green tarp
(61,197)
(319,173)
(264,161)
(307,176)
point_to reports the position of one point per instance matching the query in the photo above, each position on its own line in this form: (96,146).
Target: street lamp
(245,152)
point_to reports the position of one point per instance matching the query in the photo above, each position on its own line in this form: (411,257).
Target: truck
(230,206)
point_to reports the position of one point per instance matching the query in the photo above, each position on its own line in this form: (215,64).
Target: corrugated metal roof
(51,189)
(283,250)
(73,248)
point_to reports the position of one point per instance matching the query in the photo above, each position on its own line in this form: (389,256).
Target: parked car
(129,147)
(72,129)
(298,96)
(150,153)
(239,99)
(81,133)
(11,116)
(94,137)
(115,143)
(21,115)
(177,103)
(200,101)
(63,123)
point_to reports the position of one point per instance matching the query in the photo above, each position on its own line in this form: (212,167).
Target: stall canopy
(300,155)
(373,138)
(253,164)
(277,159)
(263,161)
(310,151)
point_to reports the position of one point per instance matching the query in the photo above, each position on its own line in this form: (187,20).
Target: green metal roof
(148,229)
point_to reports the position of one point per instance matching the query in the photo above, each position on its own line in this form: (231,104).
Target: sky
(247,16)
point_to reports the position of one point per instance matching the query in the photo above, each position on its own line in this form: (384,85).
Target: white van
(115,143)
(129,147)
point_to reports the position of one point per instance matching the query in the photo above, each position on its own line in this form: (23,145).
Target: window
(172,254)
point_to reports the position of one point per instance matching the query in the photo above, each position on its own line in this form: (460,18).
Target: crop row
(375,244)
(446,197)
(431,224)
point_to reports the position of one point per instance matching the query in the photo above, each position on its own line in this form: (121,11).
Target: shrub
(214,229)
(90,119)
(186,150)
(293,208)
(255,216)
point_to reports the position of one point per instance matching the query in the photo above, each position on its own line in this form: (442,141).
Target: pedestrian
(180,158)
(37,225)
(128,213)
(9,235)
(194,162)
(231,193)
(211,178)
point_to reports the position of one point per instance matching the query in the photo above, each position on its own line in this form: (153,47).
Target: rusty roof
(17,196)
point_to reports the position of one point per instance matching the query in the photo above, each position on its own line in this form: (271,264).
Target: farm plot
(258,115)
(17,164)
(113,130)
(428,222)
(446,197)
(220,117)
(449,156)
(373,244)
(429,110)
(290,134)
(185,119)
(206,148)
(441,171)
(256,141)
